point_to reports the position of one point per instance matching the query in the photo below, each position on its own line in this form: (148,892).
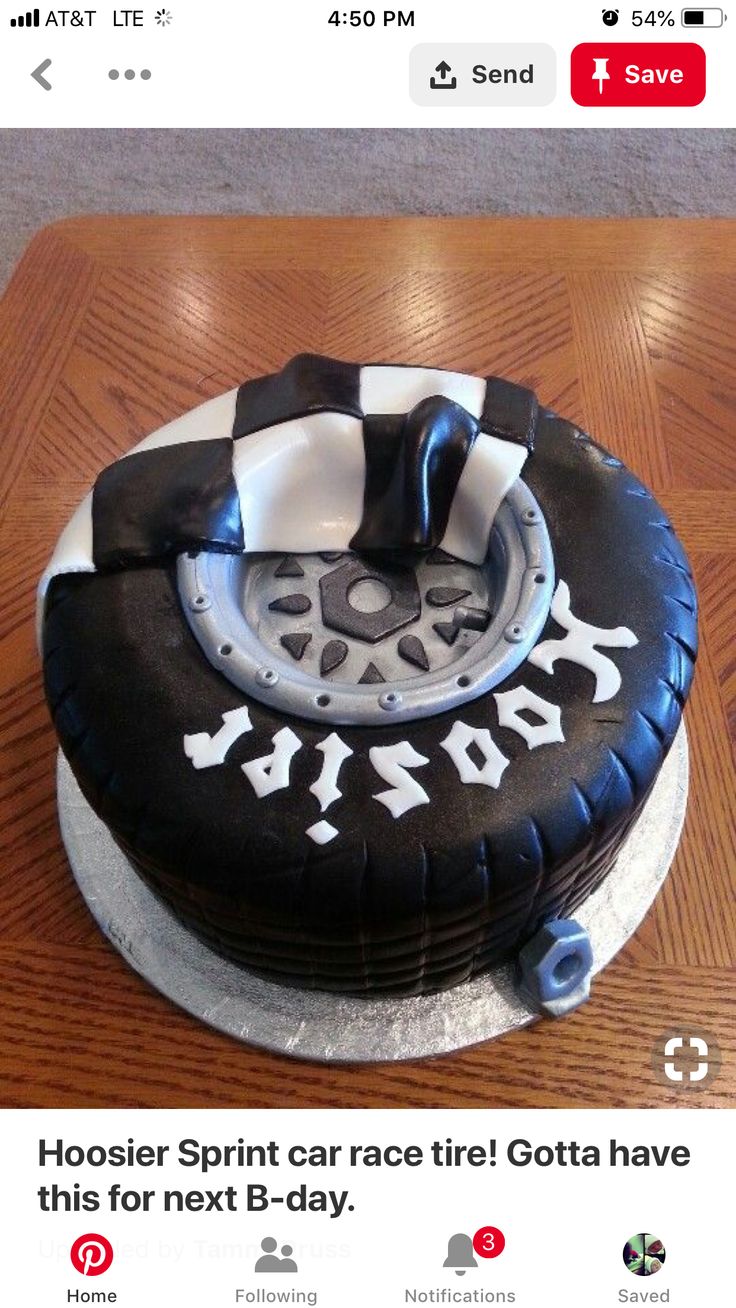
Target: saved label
(638,74)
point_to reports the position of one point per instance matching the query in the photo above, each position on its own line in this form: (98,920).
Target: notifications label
(656,75)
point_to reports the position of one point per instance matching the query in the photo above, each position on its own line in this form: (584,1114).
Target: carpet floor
(52,174)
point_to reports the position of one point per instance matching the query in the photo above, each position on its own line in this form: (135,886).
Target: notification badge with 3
(91,1255)
(488,1242)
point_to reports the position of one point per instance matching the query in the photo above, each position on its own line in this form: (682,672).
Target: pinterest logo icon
(91,1255)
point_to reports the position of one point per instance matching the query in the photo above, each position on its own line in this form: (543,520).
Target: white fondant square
(387,389)
(490,470)
(301,484)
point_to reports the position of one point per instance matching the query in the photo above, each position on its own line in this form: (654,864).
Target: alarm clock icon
(610,17)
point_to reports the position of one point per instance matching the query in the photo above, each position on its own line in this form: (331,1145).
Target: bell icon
(460,1254)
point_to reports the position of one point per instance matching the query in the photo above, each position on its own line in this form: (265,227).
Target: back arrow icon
(38,74)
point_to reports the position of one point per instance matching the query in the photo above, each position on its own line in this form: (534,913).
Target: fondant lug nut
(471,619)
(556,966)
(340,614)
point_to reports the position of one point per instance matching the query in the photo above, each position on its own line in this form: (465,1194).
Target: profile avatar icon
(270,1261)
(644,1254)
(460,1254)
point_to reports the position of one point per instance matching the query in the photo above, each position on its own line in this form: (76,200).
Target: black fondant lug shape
(334,655)
(412,649)
(296,642)
(371,676)
(442,596)
(404,606)
(291,604)
(471,619)
(449,631)
(289,567)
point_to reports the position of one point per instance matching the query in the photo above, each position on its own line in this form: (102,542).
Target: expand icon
(686,1058)
(699,1071)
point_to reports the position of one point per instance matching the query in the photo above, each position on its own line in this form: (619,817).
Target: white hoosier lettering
(457,745)
(391,762)
(208,751)
(322,833)
(325,787)
(272,772)
(512,703)
(578,646)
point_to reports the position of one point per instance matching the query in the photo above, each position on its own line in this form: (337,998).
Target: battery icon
(702,18)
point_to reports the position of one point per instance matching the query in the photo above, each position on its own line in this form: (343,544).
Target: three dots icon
(130,74)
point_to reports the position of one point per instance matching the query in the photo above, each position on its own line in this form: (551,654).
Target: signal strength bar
(30,19)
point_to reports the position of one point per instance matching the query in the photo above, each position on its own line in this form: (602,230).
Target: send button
(483,76)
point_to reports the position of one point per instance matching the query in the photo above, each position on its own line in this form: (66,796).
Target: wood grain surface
(113,326)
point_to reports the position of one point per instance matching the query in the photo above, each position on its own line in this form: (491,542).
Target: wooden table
(113,326)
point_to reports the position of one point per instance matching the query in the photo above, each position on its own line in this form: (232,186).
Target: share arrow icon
(38,74)
(444,82)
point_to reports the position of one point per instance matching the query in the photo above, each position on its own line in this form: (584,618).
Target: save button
(655,74)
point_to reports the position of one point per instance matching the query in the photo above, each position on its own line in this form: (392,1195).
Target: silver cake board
(337,1028)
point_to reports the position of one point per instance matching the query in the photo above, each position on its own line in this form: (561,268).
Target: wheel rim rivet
(391,701)
(266,677)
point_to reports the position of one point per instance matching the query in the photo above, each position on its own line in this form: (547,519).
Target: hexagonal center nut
(340,613)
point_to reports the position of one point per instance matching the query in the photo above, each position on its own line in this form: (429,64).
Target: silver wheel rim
(229,602)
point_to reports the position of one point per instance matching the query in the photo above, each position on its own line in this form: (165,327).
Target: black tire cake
(369,670)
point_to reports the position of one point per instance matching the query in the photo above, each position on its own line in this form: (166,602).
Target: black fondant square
(413,462)
(509,411)
(309,383)
(160,502)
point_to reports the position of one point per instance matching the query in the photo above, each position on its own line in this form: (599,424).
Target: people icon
(269,1260)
